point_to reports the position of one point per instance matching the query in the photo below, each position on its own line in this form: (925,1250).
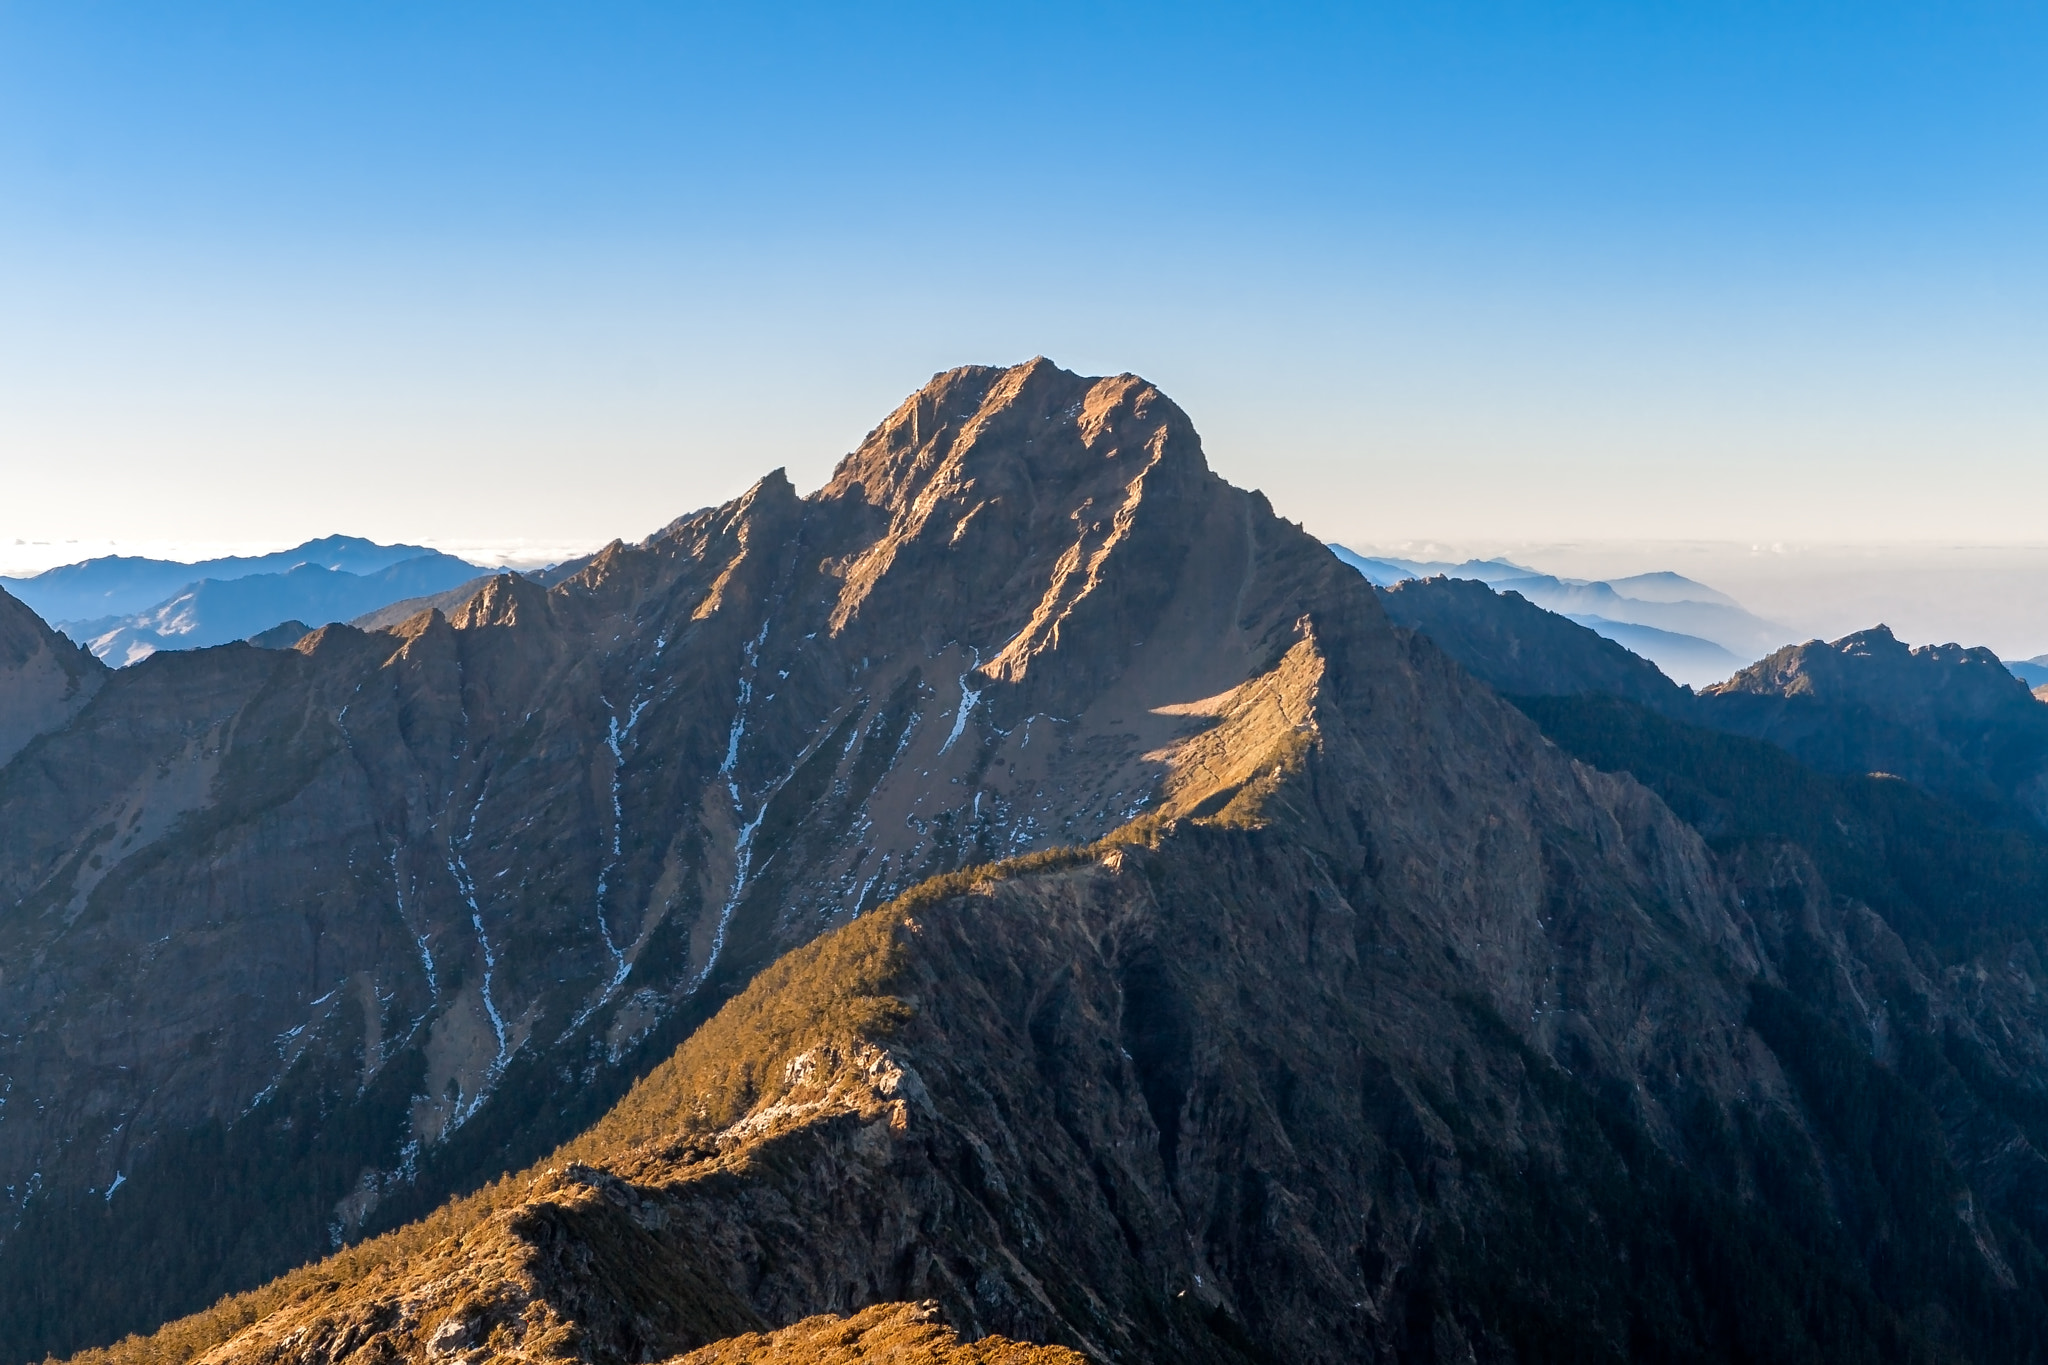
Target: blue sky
(1475,273)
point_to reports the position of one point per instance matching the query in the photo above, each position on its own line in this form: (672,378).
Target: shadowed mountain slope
(1413,1040)
(1520,649)
(1952,720)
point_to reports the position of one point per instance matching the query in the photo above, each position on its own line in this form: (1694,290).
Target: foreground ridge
(886,1334)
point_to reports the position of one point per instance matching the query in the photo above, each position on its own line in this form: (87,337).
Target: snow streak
(743,850)
(458,868)
(426,954)
(968,697)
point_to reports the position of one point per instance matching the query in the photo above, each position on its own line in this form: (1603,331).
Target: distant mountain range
(119,585)
(215,611)
(2033,672)
(1695,633)
(124,608)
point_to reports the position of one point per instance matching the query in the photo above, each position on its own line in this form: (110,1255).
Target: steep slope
(1428,1043)
(1952,720)
(44,678)
(283,635)
(300,941)
(397,613)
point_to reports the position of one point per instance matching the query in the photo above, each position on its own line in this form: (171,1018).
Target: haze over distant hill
(120,585)
(126,608)
(1695,633)
(214,611)
(2033,672)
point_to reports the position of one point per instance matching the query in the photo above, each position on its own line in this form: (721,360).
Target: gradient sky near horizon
(1469,273)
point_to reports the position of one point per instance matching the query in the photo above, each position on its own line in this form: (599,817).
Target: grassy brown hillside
(887,1334)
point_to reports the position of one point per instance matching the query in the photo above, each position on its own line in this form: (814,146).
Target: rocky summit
(1023,902)
(297,942)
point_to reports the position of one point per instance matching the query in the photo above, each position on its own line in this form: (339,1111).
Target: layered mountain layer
(1693,632)
(217,611)
(120,585)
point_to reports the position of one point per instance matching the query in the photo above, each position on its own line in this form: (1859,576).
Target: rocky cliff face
(296,942)
(44,678)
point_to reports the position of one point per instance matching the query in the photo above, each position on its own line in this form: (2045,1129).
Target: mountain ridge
(1027,876)
(694,753)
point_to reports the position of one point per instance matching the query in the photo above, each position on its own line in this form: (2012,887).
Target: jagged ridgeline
(1050,908)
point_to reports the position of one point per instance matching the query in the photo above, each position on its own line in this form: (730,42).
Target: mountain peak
(1875,668)
(1030,475)
(1033,420)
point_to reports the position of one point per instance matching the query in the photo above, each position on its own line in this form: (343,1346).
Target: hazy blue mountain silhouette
(2033,672)
(216,611)
(1693,632)
(1686,657)
(121,585)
